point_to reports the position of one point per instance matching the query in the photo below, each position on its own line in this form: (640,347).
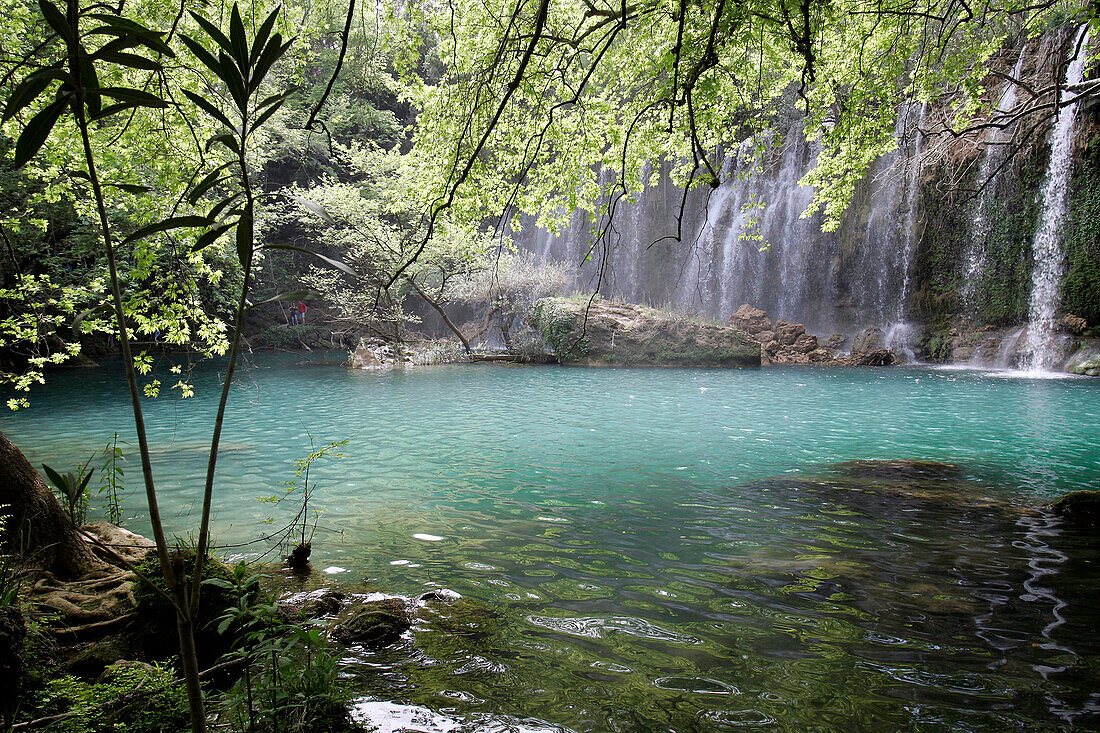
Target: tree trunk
(38,529)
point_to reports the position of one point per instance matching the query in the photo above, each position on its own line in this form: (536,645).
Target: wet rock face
(751,320)
(373,624)
(869,340)
(602,333)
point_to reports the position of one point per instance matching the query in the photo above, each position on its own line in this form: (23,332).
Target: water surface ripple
(664,549)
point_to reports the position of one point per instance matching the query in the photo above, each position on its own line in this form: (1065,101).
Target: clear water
(666,549)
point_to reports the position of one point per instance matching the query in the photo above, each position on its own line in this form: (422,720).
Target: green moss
(555,324)
(129,698)
(1003,285)
(1081,240)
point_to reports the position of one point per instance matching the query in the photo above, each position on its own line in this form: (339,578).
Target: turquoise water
(663,549)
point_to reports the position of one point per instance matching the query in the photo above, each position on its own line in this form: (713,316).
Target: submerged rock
(373,624)
(458,615)
(600,333)
(1081,508)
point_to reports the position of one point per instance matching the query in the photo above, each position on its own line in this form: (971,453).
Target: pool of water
(662,549)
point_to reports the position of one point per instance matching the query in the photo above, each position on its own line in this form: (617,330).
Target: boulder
(1074,324)
(787,333)
(869,340)
(1080,508)
(765,336)
(836,341)
(596,332)
(881,357)
(751,320)
(1086,360)
(373,624)
(805,343)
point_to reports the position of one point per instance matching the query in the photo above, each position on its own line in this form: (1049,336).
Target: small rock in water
(1081,508)
(373,624)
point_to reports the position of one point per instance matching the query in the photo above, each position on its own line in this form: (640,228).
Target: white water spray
(1040,348)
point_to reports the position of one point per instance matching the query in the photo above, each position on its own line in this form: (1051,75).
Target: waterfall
(994,155)
(899,336)
(1040,348)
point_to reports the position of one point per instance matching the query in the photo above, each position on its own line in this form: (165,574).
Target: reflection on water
(642,550)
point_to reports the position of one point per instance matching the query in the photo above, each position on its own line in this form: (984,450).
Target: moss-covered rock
(373,624)
(1080,508)
(89,662)
(602,333)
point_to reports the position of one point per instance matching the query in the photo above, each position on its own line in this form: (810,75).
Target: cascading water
(1040,347)
(746,242)
(994,155)
(899,336)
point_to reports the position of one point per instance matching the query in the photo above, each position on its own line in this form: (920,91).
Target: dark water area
(664,550)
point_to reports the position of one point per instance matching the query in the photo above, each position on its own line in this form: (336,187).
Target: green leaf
(205,57)
(55,478)
(219,583)
(276,98)
(271,53)
(244,238)
(87,478)
(134,96)
(209,108)
(225,139)
(233,81)
(113,109)
(314,207)
(37,130)
(174,222)
(90,81)
(210,237)
(261,35)
(266,114)
(335,263)
(212,31)
(237,39)
(131,60)
(209,181)
(27,91)
(57,20)
(223,205)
